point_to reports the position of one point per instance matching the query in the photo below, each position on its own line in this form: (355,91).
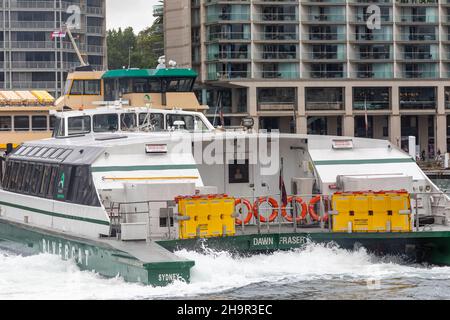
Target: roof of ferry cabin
(150,73)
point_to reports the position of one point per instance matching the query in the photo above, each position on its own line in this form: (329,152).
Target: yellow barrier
(372,212)
(206,216)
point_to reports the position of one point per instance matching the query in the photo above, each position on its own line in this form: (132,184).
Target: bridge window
(22,123)
(106,123)
(86,87)
(39,123)
(155,121)
(200,125)
(92,87)
(5,123)
(187,119)
(128,121)
(79,125)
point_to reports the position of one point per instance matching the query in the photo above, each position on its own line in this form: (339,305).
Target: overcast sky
(125,13)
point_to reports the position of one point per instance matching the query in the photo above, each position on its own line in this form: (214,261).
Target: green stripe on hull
(144,168)
(361,161)
(54,214)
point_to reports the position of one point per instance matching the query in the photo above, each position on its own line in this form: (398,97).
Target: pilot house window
(106,122)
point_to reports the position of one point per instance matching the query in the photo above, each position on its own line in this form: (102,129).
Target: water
(315,272)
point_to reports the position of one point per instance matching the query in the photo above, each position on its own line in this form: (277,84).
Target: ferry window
(106,123)
(127,121)
(36,178)
(200,125)
(14,176)
(21,123)
(79,125)
(77,87)
(51,185)
(39,123)
(156,122)
(22,182)
(5,123)
(45,181)
(27,177)
(238,173)
(140,85)
(124,86)
(52,122)
(92,87)
(188,121)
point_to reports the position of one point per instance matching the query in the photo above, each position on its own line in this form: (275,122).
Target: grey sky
(129,13)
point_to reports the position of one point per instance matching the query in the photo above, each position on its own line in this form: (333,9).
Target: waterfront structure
(34,58)
(321,66)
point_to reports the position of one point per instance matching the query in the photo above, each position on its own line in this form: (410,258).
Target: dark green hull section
(91,255)
(428,246)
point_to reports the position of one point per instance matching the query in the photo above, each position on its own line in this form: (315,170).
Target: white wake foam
(47,277)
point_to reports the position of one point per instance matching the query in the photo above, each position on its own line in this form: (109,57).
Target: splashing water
(316,271)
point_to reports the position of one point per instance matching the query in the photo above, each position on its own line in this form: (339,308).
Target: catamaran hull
(90,255)
(431,247)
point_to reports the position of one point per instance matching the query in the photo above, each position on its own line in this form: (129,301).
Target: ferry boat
(120,190)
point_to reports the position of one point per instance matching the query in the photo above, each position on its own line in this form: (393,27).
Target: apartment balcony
(366,74)
(369,2)
(275,18)
(34,85)
(413,55)
(418,105)
(32,5)
(287,75)
(91,49)
(325,18)
(229,55)
(326,74)
(39,65)
(276,55)
(418,37)
(420,74)
(228,75)
(379,55)
(324,55)
(417,3)
(371,37)
(325,36)
(362,18)
(276,106)
(33,44)
(98,11)
(214,17)
(411,18)
(212,36)
(96,30)
(276,36)
(33,25)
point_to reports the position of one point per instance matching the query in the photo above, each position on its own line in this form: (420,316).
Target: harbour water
(315,272)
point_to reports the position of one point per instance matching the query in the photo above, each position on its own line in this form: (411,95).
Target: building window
(276,98)
(324,98)
(21,123)
(238,172)
(39,123)
(417,97)
(371,98)
(5,123)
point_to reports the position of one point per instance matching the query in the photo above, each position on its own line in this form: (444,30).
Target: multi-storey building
(321,66)
(30,58)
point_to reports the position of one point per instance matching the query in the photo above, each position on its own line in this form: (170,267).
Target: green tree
(144,49)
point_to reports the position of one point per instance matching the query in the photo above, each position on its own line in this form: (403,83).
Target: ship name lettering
(263,241)
(292,240)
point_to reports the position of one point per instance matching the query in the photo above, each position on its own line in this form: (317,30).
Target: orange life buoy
(273,203)
(249,208)
(294,200)
(312,211)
